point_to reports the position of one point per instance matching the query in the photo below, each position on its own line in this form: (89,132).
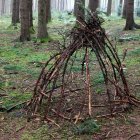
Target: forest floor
(20,65)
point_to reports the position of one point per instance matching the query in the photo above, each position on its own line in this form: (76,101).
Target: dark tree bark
(30,5)
(48,11)
(75,7)
(130,23)
(109,6)
(93,5)
(25,20)
(15,12)
(42,28)
(124,9)
(79,10)
(129,15)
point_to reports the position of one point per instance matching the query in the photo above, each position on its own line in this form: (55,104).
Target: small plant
(98,79)
(32,30)
(89,126)
(99,91)
(40,133)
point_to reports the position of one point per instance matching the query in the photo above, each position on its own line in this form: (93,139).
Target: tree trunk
(93,5)
(109,5)
(15,12)
(25,20)
(3,7)
(30,5)
(75,7)
(120,8)
(129,15)
(48,11)
(79,10)
(138,8)
(42,28)
(124,9)
(11,6)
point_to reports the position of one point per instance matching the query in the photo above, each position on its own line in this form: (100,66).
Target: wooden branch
(50,120)
(60,115)
(88,82)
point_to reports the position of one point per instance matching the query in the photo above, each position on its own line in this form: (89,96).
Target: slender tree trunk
(109,5)
(124,9)
(120,8)
(42,28)
(25,20)
(15,12)
(3,7)
(75,7)
(30,5)
(48,11)
(138,8)
(93,5)
(129,15)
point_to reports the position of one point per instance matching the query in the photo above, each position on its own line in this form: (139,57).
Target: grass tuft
(89,126)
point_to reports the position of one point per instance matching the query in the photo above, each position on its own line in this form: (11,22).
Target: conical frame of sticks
(61,92)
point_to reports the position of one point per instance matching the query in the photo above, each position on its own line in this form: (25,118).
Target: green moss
(133,58)
(76,69)
(38,57)
(27,136)
(45,40)
(14,98)
(12,67)
(135,52)
(39,134)
(99,90)
(98,79)
(89,126)
(133,61)
(32,30)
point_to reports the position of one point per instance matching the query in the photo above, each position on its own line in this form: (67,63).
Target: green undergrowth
(135,52)
(66,131)
(14,100)
(22,59)
(89,126)
(32,30)
(133,58)
(98,79)
(41,132)
(42,40)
